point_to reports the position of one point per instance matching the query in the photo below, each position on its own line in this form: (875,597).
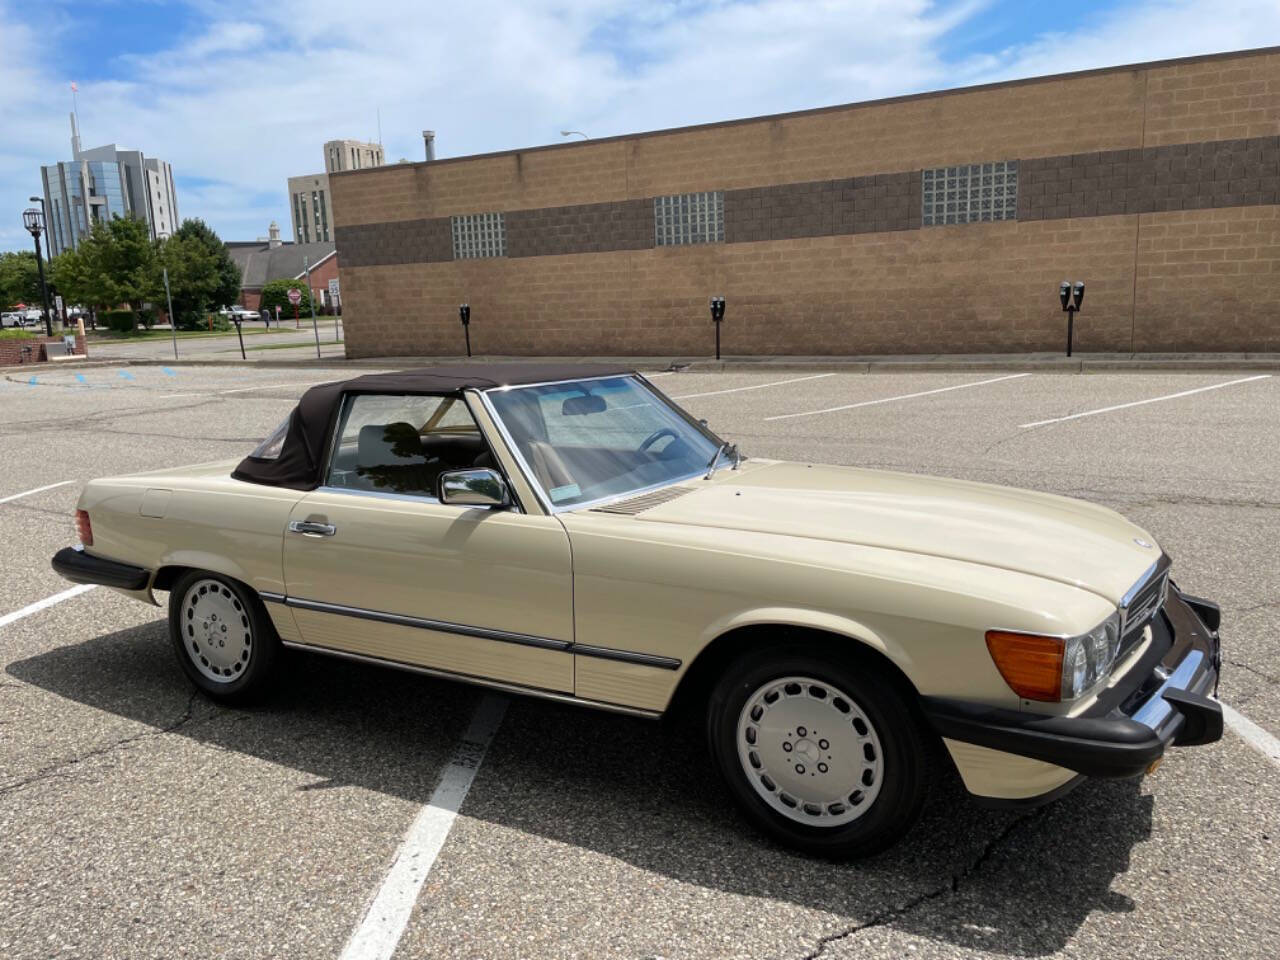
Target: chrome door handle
(310,529)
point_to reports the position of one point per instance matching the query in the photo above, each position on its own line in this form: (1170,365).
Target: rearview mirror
(474,488)
(580,406)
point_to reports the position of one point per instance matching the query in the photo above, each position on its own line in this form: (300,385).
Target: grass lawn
(296,345)
(182,334)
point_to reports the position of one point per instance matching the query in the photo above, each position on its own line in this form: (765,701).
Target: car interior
(399,457)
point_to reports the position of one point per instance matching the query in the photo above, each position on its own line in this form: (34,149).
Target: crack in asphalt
(57,770)
(951,887)
(1275,681)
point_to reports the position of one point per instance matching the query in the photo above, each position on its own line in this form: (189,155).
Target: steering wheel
(654,437)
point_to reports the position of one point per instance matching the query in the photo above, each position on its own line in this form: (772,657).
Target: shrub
(120,321)
(147,316)
(276,294)
(220,323)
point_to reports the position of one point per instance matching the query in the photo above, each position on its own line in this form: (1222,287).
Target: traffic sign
(295,296)
(333,289)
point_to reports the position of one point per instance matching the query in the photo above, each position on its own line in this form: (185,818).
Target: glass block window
(688,218)
(479,235)
(970,193)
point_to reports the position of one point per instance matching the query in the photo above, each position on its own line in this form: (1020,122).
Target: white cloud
(247,101)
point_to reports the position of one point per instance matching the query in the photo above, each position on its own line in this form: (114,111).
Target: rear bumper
(73,564)
(1165,700)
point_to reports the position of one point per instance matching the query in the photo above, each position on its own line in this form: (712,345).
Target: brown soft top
(301,458)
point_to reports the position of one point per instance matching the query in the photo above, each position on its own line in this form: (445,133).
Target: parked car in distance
(12,319)
(569,532)
(239,313)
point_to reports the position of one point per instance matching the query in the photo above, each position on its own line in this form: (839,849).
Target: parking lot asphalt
(138,819)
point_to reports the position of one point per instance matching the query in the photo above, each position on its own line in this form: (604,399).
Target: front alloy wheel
(810,752)
(823,753)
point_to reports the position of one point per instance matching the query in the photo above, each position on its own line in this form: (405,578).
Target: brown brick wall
(401,241)
(876,292)
(824,252)
(1226,173)
(1209,278)
(584,228)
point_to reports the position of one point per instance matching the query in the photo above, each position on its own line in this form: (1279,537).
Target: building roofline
(817,111)
(331,253)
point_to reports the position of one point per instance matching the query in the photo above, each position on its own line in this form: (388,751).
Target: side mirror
(474,488)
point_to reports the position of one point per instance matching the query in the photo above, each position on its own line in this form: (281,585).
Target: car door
(376,566)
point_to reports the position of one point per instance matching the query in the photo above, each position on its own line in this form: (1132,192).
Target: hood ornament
(1145,544)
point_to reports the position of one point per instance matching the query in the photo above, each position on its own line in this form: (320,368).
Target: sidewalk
(304,357)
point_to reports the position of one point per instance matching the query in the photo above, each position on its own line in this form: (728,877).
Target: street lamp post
(33,220)
(44,215)
(574,133)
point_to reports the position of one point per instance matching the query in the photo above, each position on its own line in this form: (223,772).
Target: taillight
(83,528)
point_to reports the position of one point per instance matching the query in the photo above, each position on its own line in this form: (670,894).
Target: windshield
(588,440)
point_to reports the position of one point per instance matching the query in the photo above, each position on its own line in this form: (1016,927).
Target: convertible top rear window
(269,449)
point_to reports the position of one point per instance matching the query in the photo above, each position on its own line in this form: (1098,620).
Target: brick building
(942,222)
(263,261)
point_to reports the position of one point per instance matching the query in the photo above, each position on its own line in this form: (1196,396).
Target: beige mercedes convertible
(570,532)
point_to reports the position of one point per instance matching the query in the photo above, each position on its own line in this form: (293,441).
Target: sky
(239,97)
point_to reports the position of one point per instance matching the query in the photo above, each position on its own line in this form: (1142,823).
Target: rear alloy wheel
(223,637)
(824,756)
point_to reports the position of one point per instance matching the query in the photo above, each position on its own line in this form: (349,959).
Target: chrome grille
(1143,600)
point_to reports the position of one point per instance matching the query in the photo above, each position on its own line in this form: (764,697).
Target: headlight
(1052,668)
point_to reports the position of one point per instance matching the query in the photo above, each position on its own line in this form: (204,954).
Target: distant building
(351,155)
(104,182)
(261,262)
(309,205)
(310,209)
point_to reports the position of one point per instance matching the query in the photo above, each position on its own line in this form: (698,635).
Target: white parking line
(758,386)
(219,393)
(39,605)
(27,493)
(1139,403)
(1252,734)
(904,396)
(388,914)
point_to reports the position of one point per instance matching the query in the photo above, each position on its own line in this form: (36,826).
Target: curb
(1097,363)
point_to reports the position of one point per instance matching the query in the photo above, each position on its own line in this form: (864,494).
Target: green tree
(276,294)
(119,263)
(19,279)
(67,273)
(202,275)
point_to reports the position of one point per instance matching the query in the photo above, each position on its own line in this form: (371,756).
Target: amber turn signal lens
(1030,664)
(83,529)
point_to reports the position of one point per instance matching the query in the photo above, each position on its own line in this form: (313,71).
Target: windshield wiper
(715,458)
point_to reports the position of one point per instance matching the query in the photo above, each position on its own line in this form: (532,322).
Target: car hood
(1054,537)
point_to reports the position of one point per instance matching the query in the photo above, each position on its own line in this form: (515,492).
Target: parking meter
(717,317)
(464,314)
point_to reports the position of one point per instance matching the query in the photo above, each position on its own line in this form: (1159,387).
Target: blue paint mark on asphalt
(31,382)
(81,378)
(126,375)
(168,372)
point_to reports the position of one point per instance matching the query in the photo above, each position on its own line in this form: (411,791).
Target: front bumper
(1166,699)
(73,564)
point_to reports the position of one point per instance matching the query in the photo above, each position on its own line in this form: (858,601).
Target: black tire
(903,773)
(247,675)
